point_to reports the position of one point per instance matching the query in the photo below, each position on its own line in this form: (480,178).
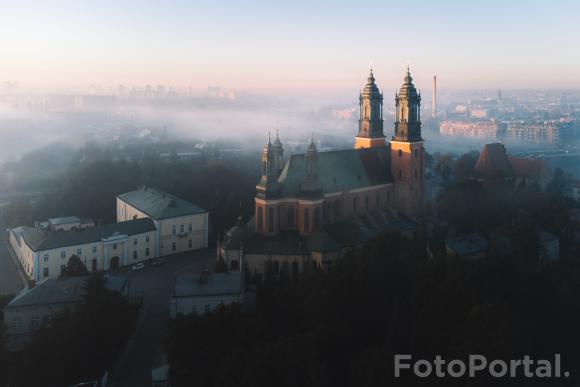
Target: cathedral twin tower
(314,189)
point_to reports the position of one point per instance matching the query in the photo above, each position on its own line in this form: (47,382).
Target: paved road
(155,284)
(10,282)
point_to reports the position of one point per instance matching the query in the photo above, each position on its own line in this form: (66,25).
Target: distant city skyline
(294,46)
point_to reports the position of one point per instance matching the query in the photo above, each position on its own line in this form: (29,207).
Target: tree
(74,268)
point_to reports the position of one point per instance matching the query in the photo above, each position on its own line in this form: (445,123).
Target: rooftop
(60,291)
(158,204)
(40,240)
(190,285)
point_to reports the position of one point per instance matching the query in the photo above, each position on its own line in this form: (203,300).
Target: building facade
(181,226)
(308,210)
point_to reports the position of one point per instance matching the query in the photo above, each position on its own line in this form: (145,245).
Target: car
(158,261)
(138,266)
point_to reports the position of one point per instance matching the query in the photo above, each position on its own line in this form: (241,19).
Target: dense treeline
(78,345)
(342,328)
(89,190)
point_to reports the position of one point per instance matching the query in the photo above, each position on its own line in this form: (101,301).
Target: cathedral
(312,207)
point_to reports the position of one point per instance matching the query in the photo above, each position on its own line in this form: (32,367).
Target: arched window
(270,219)
(400,153)
(260,219)
(264,168)
(290,216)
(317,217)
(306,220)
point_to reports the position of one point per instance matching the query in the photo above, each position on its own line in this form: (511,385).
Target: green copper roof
(338,171)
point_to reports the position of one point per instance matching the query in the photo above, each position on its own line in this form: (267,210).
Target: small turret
(310,186)
(268,185)
(278,152)
(370,132)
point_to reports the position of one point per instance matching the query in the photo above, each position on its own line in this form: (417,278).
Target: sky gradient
(292,45)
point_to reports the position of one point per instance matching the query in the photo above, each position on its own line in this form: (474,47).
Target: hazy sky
(291,45)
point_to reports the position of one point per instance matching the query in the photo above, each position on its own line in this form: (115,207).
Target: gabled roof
(68,290)
(40,240)
(493,162)
(158,204)
(338,171)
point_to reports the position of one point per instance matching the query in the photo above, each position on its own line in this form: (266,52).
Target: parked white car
(138,266)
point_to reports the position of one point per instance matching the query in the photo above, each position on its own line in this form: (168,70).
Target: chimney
(434,101)
(31,283)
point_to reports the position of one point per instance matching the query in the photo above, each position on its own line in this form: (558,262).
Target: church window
(264,168)
(400,153)
(290,216)
(306,220)
(270,219)
(400,174)
(260,219)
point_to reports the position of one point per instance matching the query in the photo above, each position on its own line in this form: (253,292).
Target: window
(147,251)
(207,309)
(306,220)
(45,257)
(264,168)
(114,246)
(174,229)
(79,252)
(173,246)
(16,323)
(62,268)
(276,267)
(45,272)
(63,254)
(190,227)
(270,219)
(94,249)
(291,216)
(34,322)
(260,219)
(135,254)
(400,153)
(182,228)
(147,238)
(134,241)
(190,243)
(94,265)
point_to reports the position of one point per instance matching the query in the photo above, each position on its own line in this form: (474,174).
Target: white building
(44,254)
(181,226)
(202,293)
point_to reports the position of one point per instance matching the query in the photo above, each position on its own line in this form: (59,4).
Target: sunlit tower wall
(434,102)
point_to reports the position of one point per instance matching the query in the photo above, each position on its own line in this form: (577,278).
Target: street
(155,285)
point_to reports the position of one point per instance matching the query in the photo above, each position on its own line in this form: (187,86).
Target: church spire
(408,111)
(268,184)
(370,132)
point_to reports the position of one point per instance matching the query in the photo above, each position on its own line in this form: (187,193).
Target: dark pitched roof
(338,171)
(158,204)
(40,240)
(493,162)
(61,291)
